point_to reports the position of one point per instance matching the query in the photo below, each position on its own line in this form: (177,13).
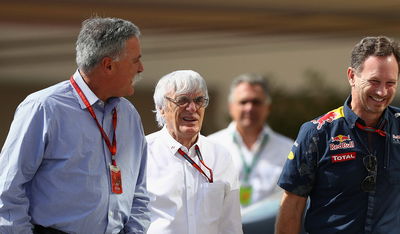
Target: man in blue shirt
(75,157)
(347,162)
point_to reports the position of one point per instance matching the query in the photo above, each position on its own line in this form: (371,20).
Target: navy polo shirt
(326,165)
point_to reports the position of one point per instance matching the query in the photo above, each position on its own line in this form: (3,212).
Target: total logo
(344,142)
(343,157)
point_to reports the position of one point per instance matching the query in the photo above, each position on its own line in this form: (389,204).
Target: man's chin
(130,92)
(190,130)
(246,124)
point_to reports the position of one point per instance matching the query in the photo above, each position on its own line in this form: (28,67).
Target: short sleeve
(298,174)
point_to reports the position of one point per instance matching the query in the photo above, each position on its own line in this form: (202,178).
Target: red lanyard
(112,147)
(370,129)
(210,179)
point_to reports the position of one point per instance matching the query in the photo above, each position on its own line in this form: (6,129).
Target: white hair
(177,82)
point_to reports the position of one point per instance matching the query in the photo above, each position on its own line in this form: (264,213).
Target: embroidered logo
(396,139)
(343,157)
(326,118)
(291,155)
(340,138)
(345,142)
(329,117)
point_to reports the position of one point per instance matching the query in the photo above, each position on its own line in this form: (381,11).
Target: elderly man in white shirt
(192,182)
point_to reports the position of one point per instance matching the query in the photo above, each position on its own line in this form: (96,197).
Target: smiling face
(183,122)
(373,88)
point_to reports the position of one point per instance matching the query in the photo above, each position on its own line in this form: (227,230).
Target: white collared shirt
(182,199)
(265,174)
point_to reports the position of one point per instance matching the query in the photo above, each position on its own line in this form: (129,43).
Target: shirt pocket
(211,201)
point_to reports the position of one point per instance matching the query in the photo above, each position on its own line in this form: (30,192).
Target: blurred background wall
(302,46)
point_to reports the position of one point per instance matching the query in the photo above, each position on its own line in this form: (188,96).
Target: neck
(370,122)
(92,80)
(187,144)
(249,135)
(370,119)
(187,141)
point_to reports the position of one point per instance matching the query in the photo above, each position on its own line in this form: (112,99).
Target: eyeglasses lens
(198,101)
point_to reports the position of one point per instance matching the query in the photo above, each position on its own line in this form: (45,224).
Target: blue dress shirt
(54,165)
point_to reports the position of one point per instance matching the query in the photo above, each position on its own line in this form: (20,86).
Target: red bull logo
(396,139)
(324,119)
(340,138)
(343,142)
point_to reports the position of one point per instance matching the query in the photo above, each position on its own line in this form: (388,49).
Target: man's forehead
(249,94)
(185,93)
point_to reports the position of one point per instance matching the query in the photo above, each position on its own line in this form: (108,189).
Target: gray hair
(252,79)
(102,37)
(178,82)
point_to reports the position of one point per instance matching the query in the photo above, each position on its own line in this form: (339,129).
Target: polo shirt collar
(352,118)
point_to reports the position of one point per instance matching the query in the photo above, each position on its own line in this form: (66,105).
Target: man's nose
(382,90)
(141,67)
(192,106)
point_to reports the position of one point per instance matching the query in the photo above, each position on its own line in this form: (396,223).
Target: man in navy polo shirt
(347,162)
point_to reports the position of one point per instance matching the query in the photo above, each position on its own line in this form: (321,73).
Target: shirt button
(110,213)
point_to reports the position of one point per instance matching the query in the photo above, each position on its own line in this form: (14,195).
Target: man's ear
(107,64)
(162,111)
(351,76)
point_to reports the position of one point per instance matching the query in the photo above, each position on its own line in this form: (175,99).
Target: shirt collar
(352,117)
(349,115)
(263,134)
(91,97)
(174,145)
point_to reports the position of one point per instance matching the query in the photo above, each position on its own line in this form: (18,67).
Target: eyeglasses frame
(205,104)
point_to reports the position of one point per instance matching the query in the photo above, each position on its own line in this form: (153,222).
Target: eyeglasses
(183,101)
(369,182)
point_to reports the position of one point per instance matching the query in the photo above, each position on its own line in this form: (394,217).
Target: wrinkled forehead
(185,91)
(194,93)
